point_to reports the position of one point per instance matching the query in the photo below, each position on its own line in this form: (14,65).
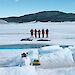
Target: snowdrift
(26,70)
(50,57)
(54,60)
(11,61)
(56,57)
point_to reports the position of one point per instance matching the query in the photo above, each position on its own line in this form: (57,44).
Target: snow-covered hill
(3,22)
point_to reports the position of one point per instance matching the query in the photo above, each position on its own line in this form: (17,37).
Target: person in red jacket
(35,33)
(39,33)
(31,32)
(47,33)
(43,33)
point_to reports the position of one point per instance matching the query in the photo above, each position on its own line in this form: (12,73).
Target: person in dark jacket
(39,33)
(31,32)
(47,33)
(35,33)
(26,59)
(43,33)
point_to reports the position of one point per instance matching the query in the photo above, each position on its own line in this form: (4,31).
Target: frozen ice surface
(57,62)
(59,33)
(54,59)
(60,71)
(25,70)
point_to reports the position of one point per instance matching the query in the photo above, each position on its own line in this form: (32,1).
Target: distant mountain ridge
(44,16)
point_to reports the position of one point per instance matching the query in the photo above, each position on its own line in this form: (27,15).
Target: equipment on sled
(36,61)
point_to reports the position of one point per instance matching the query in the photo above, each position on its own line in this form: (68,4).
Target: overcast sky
(22,7)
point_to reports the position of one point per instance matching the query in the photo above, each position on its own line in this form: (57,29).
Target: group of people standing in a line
(39,33)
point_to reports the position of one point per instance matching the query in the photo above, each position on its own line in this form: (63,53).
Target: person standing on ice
(43,33)
(47,33)
(31,32)
(39,33)
(35,33)
(26,59)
